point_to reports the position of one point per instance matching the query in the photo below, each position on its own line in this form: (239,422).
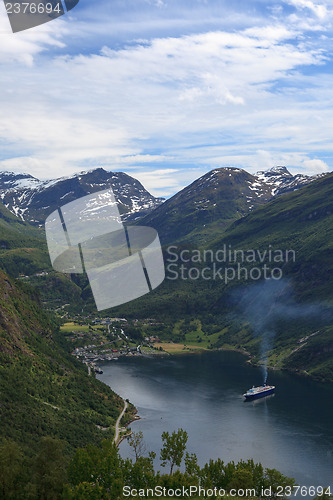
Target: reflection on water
(290,430)
(259,400)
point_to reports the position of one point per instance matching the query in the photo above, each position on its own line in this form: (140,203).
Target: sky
(166,90)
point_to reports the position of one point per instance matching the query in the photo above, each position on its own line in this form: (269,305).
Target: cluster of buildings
(93,353)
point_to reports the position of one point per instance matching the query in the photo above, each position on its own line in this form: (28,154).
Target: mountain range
(194,215)
(221,195)
(33,200)
(212,202)
(299,221)
(224,207)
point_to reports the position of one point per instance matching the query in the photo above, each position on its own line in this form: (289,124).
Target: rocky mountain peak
(279,170)
(33,200)
(280,180)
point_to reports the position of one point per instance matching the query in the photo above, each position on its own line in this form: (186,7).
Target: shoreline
(117,438)
(198,350)
(135,416)
(302,373)
(135,419)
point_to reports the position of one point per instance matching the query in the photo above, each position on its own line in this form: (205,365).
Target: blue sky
(166,90)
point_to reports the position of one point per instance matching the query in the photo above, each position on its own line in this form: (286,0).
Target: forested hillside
(43,390)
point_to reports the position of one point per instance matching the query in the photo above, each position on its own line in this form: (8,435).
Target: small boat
(259,392)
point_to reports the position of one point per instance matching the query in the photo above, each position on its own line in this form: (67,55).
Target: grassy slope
(15,232)
(43,390)
(302,221)
(22,246)
(205,207)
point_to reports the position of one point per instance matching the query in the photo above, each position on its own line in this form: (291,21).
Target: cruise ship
(259,392)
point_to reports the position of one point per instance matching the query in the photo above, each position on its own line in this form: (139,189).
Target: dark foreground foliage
(98,472)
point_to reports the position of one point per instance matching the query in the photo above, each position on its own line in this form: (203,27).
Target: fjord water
(291,430)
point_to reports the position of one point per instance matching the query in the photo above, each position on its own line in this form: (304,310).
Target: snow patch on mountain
(281,181)
(33,200)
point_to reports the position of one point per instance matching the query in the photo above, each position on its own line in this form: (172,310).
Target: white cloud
(156,3)
(24,165)
(315,166)
(320,10)
(203,100)
(296,162)
(141,158)
(165,182)
(24,46)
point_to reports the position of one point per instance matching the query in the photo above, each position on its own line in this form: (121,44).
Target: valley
(166,243)
(293,214)
(55,345)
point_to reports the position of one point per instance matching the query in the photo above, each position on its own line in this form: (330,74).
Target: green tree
(191,464)
(11,470)
(242,479)
(140,474)
(274,478)
(84,465)
(214,474)
(173,449)
(101,466)
(135,440)
(50,469)
(176,480)
(257,473)
(83,491)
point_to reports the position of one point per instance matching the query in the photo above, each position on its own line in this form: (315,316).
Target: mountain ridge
(218,198)
(300,219)
(33,200)
(282,181)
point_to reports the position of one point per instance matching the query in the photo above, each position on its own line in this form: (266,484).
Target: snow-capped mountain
(33,200)
(208,205)
(217,199)
(280,180)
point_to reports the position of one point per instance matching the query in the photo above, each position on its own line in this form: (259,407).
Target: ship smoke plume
(269,303)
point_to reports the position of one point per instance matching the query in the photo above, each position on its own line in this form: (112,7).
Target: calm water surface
(291,430)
